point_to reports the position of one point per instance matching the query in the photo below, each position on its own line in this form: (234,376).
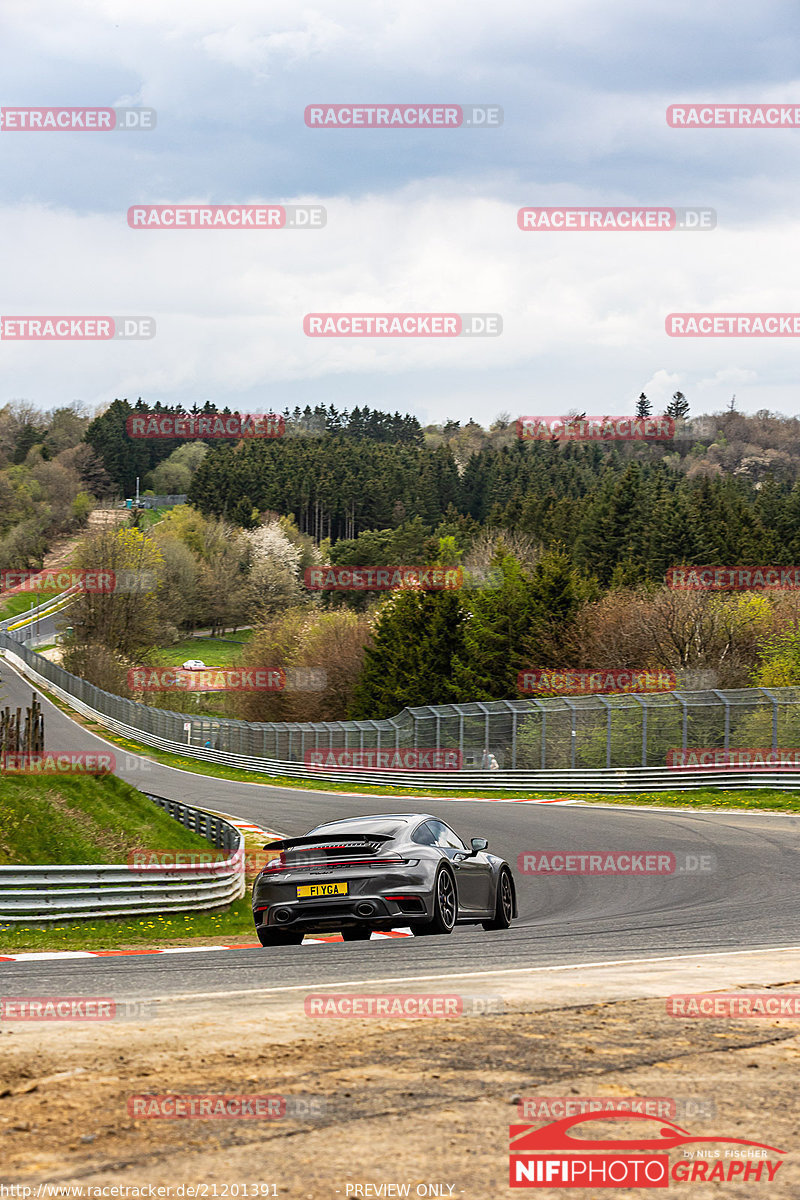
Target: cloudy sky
(417,220)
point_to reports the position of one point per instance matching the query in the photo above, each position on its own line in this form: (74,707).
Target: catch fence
(586,733)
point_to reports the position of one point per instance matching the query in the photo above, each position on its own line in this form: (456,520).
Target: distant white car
(193,664)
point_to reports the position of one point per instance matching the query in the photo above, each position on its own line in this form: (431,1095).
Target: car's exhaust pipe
(365,909)
(282,915)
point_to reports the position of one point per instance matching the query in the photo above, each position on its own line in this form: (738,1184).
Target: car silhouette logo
(557,1136)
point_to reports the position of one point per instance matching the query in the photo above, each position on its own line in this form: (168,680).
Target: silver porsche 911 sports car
(383,872)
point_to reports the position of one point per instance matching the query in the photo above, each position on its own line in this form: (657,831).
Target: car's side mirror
(479,844)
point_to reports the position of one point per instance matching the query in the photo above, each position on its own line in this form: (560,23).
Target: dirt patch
(373,1101)
(101,517)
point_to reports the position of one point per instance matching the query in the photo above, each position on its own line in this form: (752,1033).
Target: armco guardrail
(56,893)
(592,743)
(611,781)
(16,623)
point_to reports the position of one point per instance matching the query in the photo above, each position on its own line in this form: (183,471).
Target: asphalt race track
(749,901)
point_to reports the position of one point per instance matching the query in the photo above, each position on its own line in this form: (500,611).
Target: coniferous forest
(565,545)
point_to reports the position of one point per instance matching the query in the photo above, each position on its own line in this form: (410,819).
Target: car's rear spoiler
(349,841)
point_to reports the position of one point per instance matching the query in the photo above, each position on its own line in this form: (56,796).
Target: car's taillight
(275,864)
(282,865)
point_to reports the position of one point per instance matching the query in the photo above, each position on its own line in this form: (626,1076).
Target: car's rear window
(388,828)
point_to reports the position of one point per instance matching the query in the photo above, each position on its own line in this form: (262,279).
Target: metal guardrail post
(684,719)
(603,700)
(479,704)
(774,700)
(727,703)
(573,731)
(643,709)
(513,739)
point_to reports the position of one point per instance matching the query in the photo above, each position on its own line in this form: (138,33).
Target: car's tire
(445,907)
(278,937)
(356,933)
(504,903)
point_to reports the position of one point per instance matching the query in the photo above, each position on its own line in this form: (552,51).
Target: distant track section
(610,780)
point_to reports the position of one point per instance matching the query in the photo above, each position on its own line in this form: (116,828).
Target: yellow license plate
(322,889)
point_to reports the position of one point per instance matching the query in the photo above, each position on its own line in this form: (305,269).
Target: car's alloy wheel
(504,903)
(445,905)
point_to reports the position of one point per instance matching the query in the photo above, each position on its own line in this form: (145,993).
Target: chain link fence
(563,733)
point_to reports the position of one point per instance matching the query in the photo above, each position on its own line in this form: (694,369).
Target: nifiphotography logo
(569,1154)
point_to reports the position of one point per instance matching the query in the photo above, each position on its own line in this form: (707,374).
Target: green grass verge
(771,799)
(17,605)
(82,820)
(151,931)
(149,517)
(214,652)
(135,933)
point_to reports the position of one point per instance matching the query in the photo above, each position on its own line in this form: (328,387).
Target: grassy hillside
(214,652)
(20,603)
(82,820)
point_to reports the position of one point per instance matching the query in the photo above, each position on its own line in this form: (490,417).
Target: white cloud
(415,222)
(229,305)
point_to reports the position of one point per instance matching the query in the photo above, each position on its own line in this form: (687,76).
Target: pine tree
(643,406)
(418,646)
(559,591)
(678,407)
(501,620)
